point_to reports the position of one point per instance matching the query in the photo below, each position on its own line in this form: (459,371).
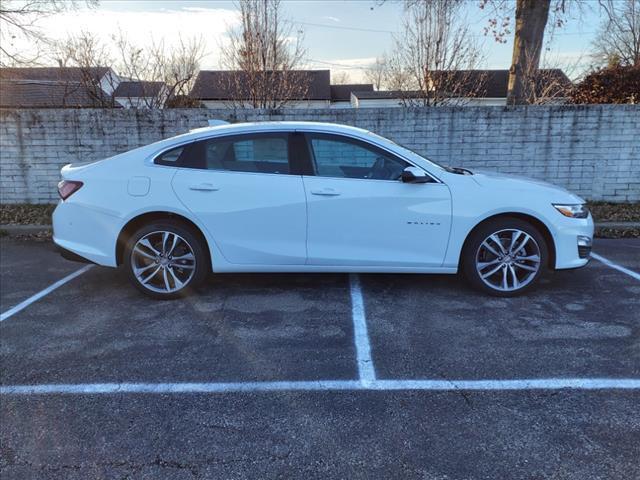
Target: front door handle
(203,187)
(327,192)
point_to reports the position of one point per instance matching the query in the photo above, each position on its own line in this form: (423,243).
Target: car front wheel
(165,260)
(505,257)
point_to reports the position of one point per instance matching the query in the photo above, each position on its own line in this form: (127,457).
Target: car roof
(278,126)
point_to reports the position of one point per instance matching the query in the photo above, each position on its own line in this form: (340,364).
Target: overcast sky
(342,35)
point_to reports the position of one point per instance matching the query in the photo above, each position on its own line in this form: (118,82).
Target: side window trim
(305,167)
(300,154)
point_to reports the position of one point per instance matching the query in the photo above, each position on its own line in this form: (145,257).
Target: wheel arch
(536,222)
(144,218)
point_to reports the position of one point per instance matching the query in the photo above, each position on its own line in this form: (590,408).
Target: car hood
(519,183)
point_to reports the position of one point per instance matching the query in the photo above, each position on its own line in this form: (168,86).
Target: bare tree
(433,59)
(19,21)
(531,20)
(91,76)
(397,78)
(155,72)
(618,41)
(376,73)
(266,54)
(340,78)
(532,17)
(548,84)
(161,72)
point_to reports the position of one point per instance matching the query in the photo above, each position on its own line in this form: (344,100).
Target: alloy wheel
(508,260)
(163,262)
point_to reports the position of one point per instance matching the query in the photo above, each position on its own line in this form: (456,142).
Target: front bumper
(573,238)
(584,246)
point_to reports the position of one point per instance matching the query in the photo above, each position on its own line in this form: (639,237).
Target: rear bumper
(69,255)
(86,232)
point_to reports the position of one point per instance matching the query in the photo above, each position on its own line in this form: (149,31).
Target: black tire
(501,226)
(186,236)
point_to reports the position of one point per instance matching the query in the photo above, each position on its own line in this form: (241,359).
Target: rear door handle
(327,192)
(203,187)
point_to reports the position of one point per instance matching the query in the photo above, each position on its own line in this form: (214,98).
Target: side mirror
(414,175)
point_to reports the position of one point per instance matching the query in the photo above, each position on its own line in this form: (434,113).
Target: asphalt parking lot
(283,376)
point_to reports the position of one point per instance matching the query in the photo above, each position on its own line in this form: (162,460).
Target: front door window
(341,157)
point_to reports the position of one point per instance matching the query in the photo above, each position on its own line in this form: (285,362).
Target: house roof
(342,93)
(494,83)
(45,94)
(477,83)
(225,84)
(138,89)
(387,94)
(59,74)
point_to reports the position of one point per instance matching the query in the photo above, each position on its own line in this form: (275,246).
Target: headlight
(574,211)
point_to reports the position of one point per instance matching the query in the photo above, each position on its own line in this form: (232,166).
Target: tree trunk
(531,19)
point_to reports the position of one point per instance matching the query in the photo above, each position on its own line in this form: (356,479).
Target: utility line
(342,66)
(393,32)
(340,27)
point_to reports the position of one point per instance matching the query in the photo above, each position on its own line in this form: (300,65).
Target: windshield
(410,153)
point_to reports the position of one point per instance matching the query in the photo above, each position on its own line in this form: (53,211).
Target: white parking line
(326,385)
(46,291)
(620,268)
(366,369)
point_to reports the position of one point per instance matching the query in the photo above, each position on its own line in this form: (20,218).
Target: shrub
(614,84)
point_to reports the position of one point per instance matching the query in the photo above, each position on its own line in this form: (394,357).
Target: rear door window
(260,153)
(170,157)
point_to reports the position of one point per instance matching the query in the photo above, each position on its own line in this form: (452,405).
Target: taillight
(66,188)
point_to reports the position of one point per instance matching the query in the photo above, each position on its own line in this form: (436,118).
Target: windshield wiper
(458,170)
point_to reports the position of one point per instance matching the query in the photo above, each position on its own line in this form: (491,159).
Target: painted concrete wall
(593,151)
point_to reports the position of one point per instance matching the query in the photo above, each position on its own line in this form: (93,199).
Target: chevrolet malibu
(311,197)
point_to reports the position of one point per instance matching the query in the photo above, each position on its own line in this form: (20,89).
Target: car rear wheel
(505,257)
(165,260)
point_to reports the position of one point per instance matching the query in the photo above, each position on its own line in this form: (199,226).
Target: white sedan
(311,197)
